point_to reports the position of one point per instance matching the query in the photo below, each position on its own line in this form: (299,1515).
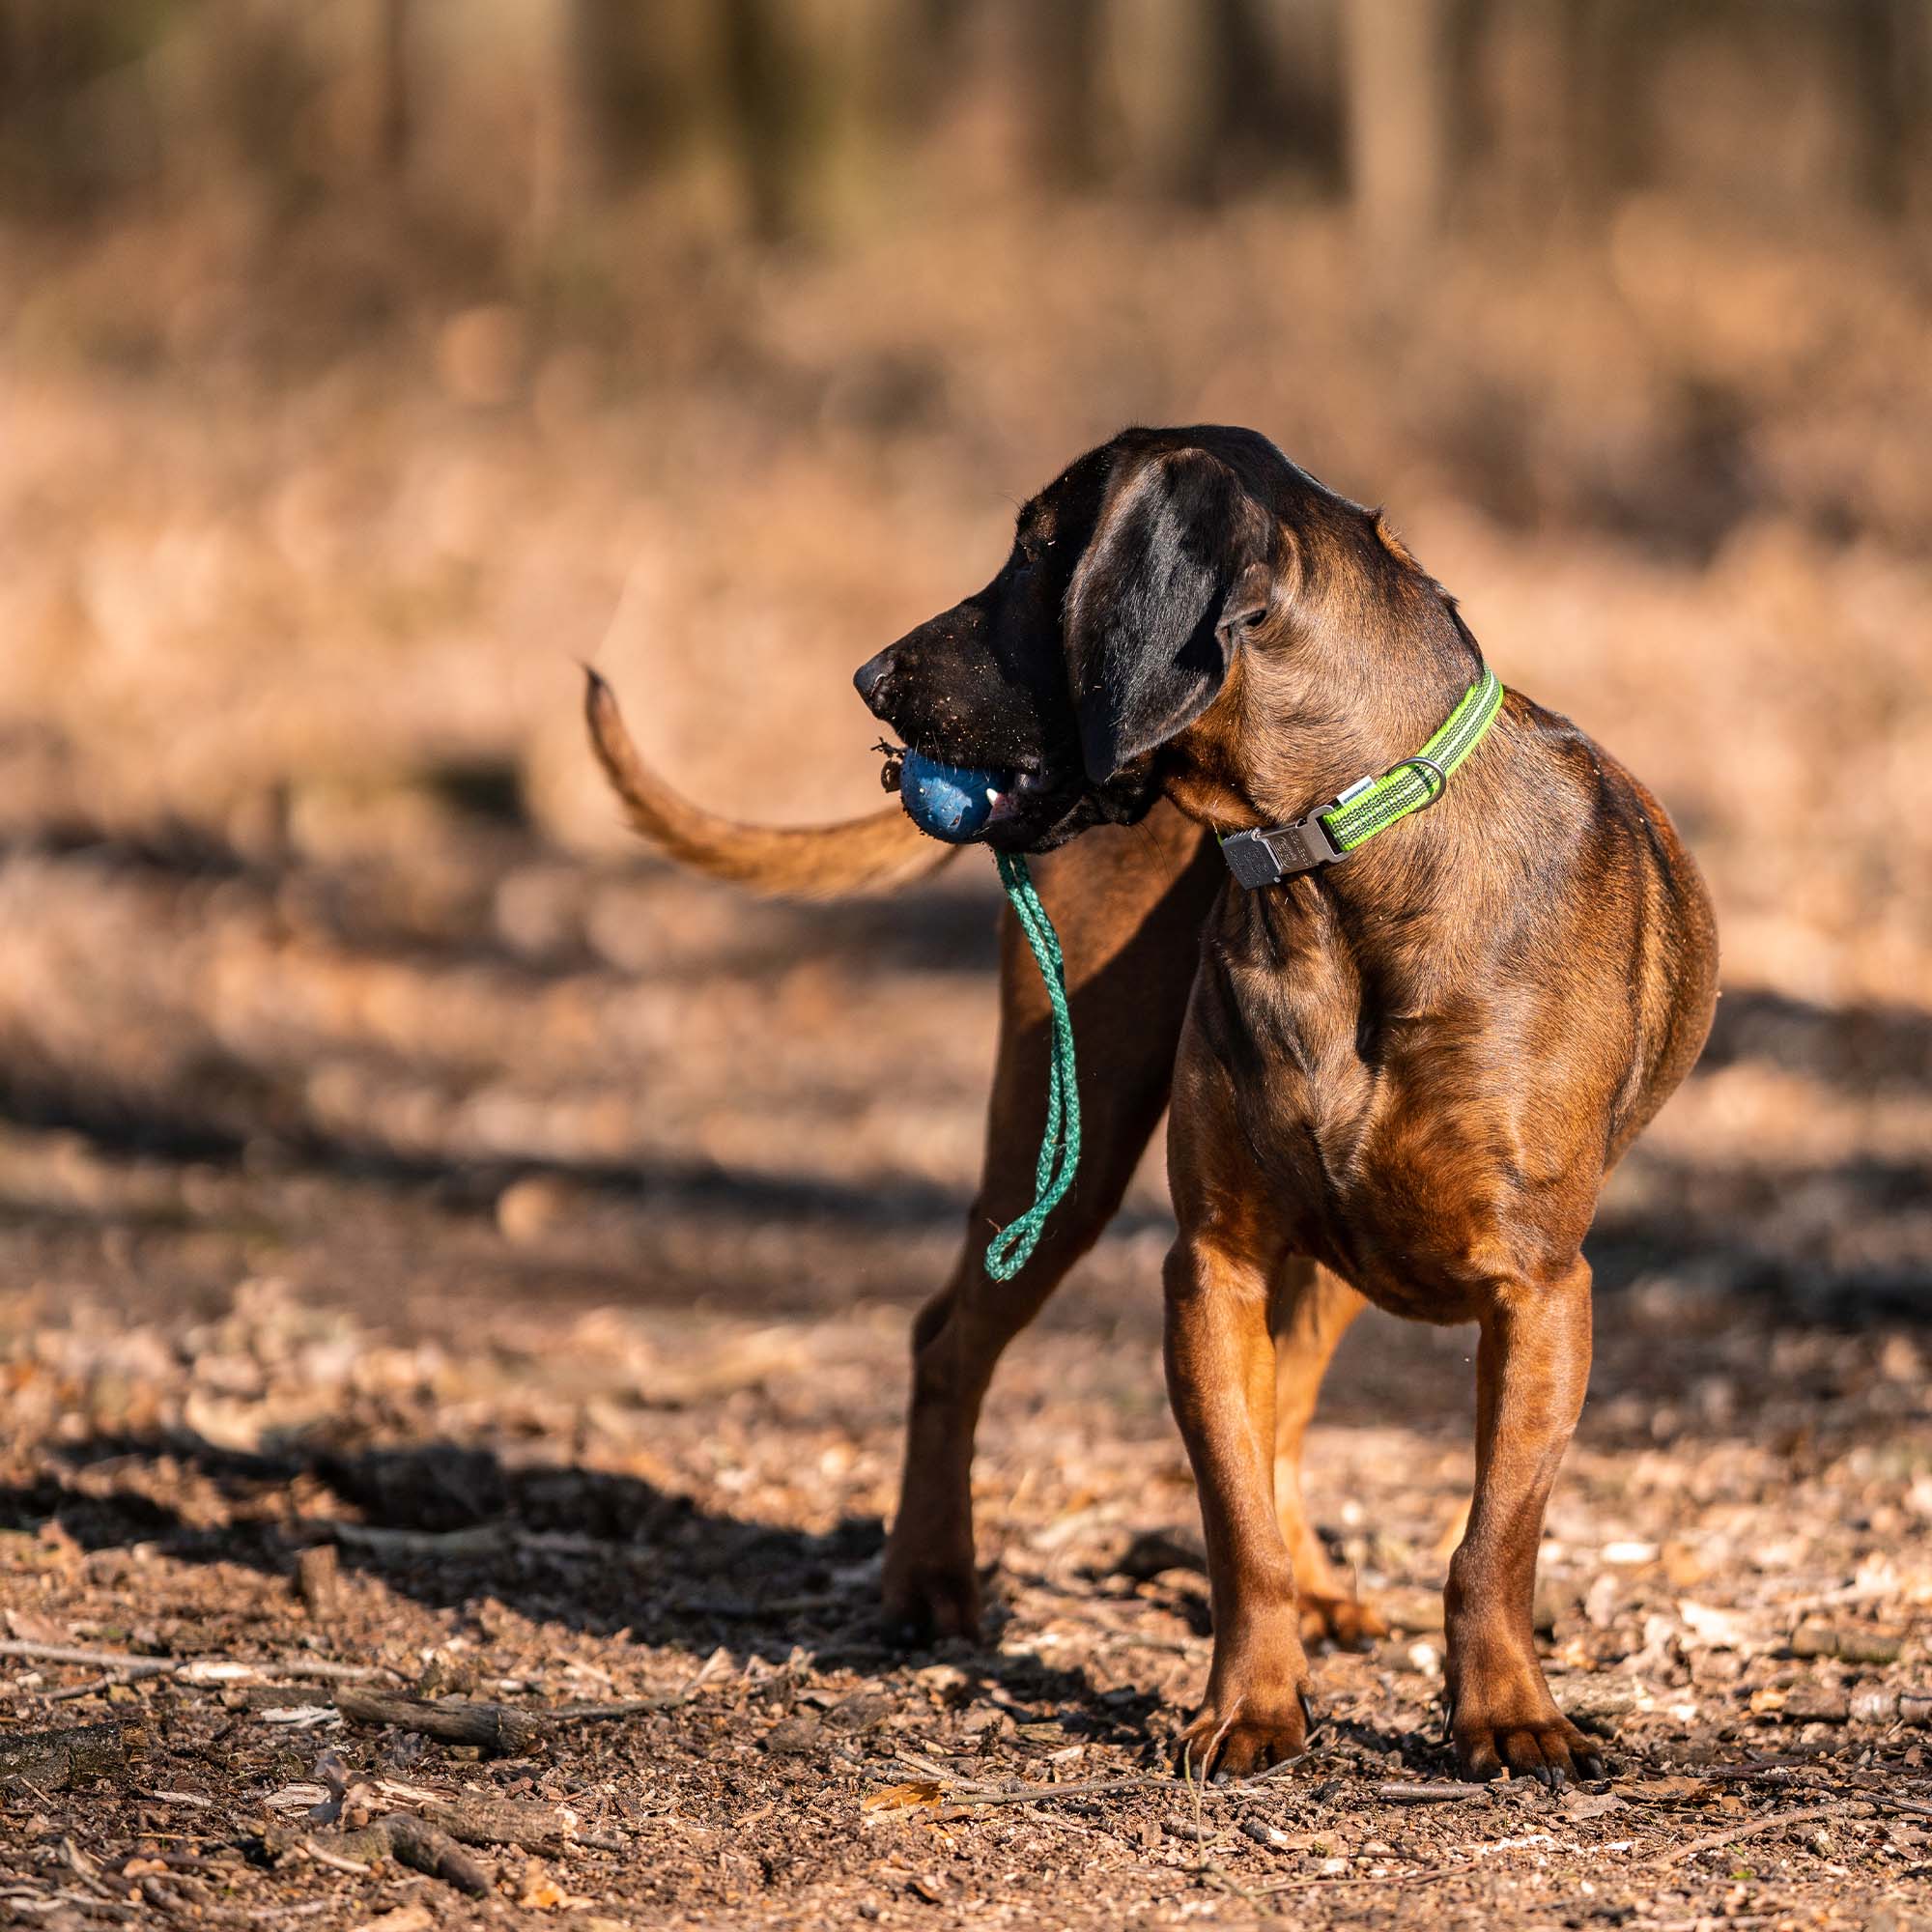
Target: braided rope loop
(1012,1248)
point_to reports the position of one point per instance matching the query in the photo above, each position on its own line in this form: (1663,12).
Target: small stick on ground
(629,1707)
(99,1659)
(426,1848)
(72,1756)
(494,1727)
(135,1668)
(1910,1806)
(318,1581)
(335,1860)
(410,1842)
(1779,1821)
(1050,1794)
(502,1821)
(93,1688)
(1430,1794)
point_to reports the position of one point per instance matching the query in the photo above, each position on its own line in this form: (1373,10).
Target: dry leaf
(30,1628)
(542,1893)
(903,1797)
(296,1798)
(404,1918)
(1666,1787)
(1720,1630)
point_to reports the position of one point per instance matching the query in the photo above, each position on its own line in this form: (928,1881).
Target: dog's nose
(874,681)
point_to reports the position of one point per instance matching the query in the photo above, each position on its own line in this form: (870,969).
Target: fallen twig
(426,1848)
(1314,1881)
(323,1671)
(407,1839)
(93,1688)
(99,1659)
(319,1581)
(1430,1794)
(1809,1814)
(1861,1704)
(504,1821)
(212,1669)
(1913,1806)
(335,1860)
(496,1727)
(965,1794)
(71,1756)
(628,1707)
(943,1773)
(1050,1794)
(81,1901)
(1854,1643)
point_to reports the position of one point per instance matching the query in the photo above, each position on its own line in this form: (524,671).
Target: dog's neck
(1306,717)
(1320,703)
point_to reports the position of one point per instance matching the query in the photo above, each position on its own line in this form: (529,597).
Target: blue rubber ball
(950,802)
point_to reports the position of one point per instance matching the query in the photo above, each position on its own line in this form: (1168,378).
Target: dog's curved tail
(874,854)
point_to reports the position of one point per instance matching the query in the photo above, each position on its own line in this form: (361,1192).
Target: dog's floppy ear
(1172,573)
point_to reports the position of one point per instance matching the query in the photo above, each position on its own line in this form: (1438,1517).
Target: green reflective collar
(1371,805)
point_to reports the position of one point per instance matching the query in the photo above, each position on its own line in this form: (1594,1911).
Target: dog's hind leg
(1129,906)
(1312,1312)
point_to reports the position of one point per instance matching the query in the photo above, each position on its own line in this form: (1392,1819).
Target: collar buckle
(1265,857)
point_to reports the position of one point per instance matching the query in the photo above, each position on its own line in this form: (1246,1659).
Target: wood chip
(501,1728)
(56,1759)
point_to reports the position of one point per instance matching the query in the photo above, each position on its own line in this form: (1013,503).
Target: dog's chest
(1374,1119)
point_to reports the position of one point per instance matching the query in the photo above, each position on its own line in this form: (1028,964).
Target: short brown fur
(1398,1080)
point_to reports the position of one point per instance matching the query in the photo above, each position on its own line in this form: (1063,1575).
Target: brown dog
(1400,1078)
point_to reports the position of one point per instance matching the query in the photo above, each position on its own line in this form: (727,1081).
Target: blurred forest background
(365,365)
(392,1154)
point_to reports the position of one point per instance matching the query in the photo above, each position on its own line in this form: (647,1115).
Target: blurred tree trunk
(1298,44)
(1152,61)
(1470,25)
(764,84)
(395,101)
(1890,48)
(1061,51)
(559,128)
(1608,48)
(1397,63)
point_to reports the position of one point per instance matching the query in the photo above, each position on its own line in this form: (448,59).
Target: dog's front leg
(1532,1366)
(1221,1377)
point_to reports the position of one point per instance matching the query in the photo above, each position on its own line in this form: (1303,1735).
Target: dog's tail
(874,854)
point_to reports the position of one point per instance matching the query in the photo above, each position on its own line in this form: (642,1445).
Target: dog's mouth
(1011,792)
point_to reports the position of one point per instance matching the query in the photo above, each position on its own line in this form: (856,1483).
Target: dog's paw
(1344,1621)
(1546,1746)
(926,1603)
(1248,1736)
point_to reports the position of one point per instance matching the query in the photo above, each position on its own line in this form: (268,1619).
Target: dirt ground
(444,1254)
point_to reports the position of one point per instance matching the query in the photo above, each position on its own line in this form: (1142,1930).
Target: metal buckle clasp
(1266,858)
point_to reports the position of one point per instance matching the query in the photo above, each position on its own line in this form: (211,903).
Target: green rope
(1012,1248)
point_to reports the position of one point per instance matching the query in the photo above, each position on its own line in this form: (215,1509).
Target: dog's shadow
(455,1527)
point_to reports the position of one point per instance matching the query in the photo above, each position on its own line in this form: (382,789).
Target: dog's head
(1149,585)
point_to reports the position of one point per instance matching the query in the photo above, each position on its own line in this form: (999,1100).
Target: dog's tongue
(950,802)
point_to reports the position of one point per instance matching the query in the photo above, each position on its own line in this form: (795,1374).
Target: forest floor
(443,1254)
(287,1415)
